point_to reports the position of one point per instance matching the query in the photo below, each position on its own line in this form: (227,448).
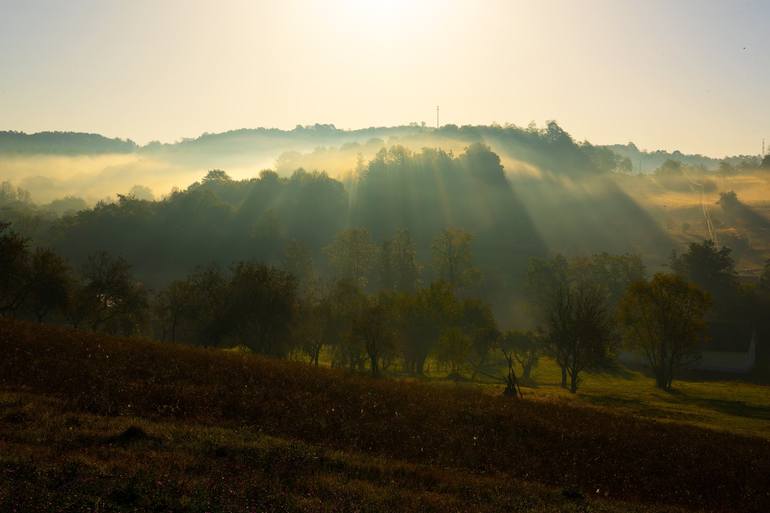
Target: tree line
(380,312)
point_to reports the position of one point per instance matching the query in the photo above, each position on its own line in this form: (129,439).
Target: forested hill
(648,161)
(219,219)
(527,144)
(62,143)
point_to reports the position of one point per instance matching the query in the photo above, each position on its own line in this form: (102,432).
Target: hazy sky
(693,76)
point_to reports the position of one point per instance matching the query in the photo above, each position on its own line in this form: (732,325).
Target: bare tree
(579,329)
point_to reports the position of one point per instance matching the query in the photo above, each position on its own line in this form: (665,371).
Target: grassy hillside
(91,423)
(723,405)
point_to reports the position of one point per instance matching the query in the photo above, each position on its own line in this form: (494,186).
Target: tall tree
(345,302)
(351,255)
(374,327)
(49,283)
(14,266)
(524,347)
(709,267)
(312,328)
(476,320)
(260,307)
(116,301)
(453,258)
(425,316)
(173,305)
(398,267)
(579,330)
(298,262)
(664,318)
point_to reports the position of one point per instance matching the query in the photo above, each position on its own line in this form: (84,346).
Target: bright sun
(384,15)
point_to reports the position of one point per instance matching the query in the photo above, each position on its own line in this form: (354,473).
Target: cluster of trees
(380,311)
(589,308)
(222,220)
(403,205)
(574,303)
(39,283)
(374,309)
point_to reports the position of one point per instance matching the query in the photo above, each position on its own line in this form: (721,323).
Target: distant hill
(62,143)
(304,138)
(648,161)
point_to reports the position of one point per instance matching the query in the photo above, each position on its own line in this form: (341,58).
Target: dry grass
(228,430)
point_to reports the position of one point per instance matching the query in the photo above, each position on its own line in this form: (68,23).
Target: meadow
(95,423)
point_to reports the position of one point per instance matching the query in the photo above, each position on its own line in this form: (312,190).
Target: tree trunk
(420,366)
(512,384)
(573,382)
(564,377)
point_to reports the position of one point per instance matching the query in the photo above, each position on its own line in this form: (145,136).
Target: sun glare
(380,18)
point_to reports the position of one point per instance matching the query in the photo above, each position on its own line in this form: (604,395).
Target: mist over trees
(418,256)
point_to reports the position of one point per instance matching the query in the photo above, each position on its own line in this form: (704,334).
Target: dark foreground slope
(232,432)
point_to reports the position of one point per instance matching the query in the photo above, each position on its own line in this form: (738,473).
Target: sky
(693,76)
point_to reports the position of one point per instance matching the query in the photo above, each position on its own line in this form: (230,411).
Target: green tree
(613,273)
(664,318)
(115,301)
(173,306)
(49,283)
(206,310)
(14,268)
(373,326)
(578,330)
(476,320)
(346,301)
(398,267)
(454,349)
(298,262)
(260,307)
(424,317)
(312,328)
(524,347)
(709,267)
(216,176)
(546,276)
(453,258)
(351,255)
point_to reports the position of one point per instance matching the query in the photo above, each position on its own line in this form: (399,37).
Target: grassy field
(718,403)
(92,423)
(735,406)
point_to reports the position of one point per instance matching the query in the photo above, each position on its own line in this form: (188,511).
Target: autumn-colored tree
(664,318)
